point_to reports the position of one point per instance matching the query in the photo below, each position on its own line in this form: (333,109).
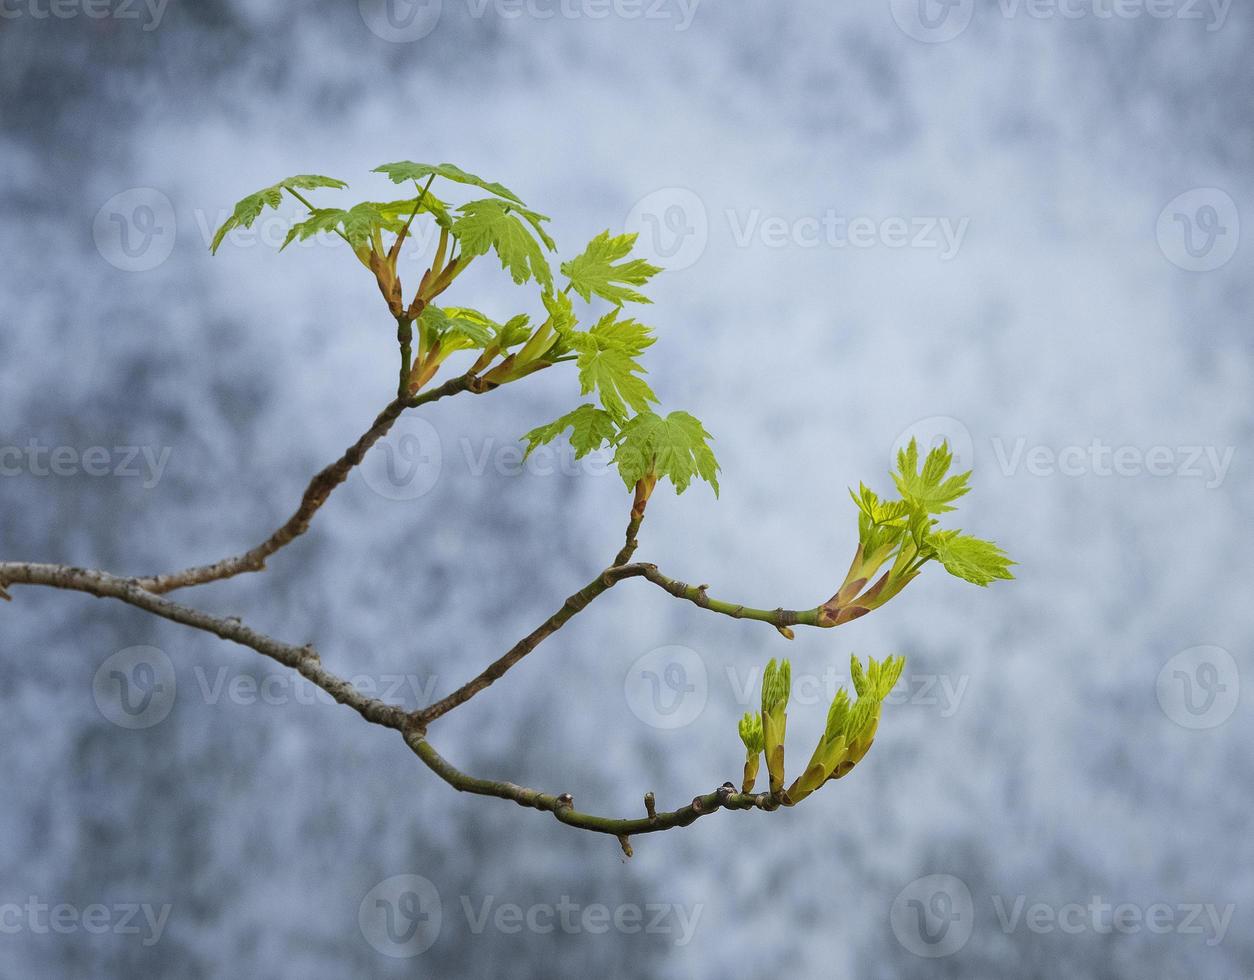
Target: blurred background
(1015,225)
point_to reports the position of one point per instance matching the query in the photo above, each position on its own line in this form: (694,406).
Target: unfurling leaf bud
(751,733)
(776,685)
(890,674)
(856,673)
(850,727)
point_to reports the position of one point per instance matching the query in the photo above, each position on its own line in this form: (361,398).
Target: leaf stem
(405,337)
(305,201)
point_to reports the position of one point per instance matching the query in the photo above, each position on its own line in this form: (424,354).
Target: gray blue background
(1057,738)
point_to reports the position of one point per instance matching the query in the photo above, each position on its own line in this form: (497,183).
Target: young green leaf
(491,224)
(929,488)
(607,358)
(473,323)
(970,558)
(594,272)
(399,211)
(591,428)
(676,447)
(405,170)
(472,326)
(357,224)
(247,210)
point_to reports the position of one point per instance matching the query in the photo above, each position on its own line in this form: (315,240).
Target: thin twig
(303,659)
(781,619)
(316,494)
(498,667)
(562,807)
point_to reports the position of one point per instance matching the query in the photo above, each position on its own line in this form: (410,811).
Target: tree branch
(574,604)
(781,619)
(316,494)
(563,806)
(303,659)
